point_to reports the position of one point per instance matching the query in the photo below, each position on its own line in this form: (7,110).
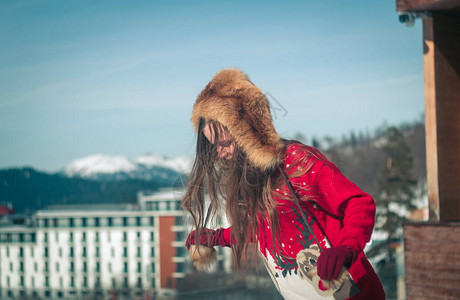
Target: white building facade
(124,250)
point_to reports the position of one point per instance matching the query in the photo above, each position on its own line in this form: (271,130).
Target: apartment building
(78,251)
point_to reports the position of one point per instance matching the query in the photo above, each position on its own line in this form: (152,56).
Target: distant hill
(146,167)
(362,159)
(94,179)
(116,179)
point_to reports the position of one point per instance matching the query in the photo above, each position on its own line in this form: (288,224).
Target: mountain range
(115,179)
(93,179)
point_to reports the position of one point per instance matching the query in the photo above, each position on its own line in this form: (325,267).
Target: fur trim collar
(231,99)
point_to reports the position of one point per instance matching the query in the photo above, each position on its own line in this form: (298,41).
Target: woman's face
(224,144)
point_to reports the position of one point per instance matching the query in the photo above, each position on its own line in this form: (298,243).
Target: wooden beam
(442,110)
(426,5)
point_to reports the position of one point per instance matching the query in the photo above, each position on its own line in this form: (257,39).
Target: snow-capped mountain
(99,164)
(114,167)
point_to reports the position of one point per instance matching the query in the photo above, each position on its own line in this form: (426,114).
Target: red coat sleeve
(340,197)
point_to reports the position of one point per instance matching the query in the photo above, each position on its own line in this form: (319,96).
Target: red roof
(5,210)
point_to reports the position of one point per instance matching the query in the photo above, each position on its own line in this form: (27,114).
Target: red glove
(331,261)
(210,238)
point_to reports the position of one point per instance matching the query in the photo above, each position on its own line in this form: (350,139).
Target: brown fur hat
(231,99)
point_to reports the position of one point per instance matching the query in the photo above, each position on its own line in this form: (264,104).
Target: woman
(309,222)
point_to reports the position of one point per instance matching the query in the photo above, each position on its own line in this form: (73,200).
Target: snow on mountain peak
(99,163)
(179,164)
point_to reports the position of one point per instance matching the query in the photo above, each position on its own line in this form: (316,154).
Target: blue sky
(120,77)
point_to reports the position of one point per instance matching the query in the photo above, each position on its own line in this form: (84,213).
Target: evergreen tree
(299,136)
(315,143)
(395,187)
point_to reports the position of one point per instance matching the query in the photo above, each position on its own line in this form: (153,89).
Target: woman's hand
(210,238)
(331,261)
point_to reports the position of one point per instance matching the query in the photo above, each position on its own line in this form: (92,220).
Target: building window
(21,252)
(32,251)
(55,223)
(125,281)
(72,281)
(153,283)
(72,266)
(47,281)
(139,282)
(125,267)
(85,281)
(21,280)
(125,251)
(71,253)
(21,266)
(152,236)
(21,237)
(151,221)
(33,282)
(46,252)
(153,267)
(110,267)
(98,267)
(152,251)
(46,267)
(113,252)
(45,222)
(139,267)
(11,267)
(71,237)
(118,222)
(125,236)
(84,252)
(85,267)
(110,221)
(125,221)
(97,252)
(71,222)
(138,235)
(83,238)
(97,237)
(180,267)
(8,281)
(36,267)
(114,283)
(57,267)
(139,253)
(45,237)
(83,222)
(138,221)
(60,252)
(96,222)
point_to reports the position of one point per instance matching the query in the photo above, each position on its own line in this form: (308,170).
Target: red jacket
(341,211)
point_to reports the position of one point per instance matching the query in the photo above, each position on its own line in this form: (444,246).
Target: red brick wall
(167,251)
